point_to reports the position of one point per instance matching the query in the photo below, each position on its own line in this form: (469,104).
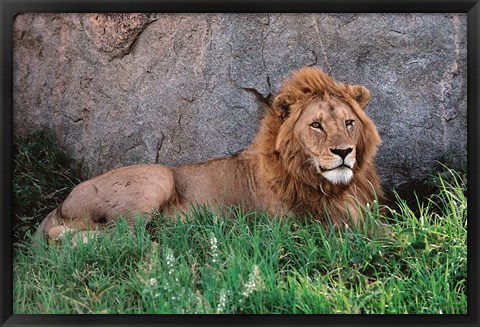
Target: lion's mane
(282,161)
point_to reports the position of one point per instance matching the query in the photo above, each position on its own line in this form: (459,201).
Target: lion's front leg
(130,192)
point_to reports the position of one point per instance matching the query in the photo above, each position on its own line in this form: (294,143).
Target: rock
(179,88)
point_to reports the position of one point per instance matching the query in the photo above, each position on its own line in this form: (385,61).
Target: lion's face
(324,128)
(328,132)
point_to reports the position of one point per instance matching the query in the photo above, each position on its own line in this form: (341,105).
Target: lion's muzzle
(337,165)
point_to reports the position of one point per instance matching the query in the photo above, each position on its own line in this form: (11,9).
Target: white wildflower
(254,283)
(170,261)
(149,283)
(222,303)
(166,287)
(214,248)
(152,282)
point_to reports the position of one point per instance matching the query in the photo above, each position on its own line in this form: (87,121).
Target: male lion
(313,155)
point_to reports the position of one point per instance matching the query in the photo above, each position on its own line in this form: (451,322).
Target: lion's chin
(341,175)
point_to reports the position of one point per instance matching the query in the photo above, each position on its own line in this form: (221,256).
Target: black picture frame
(9,8)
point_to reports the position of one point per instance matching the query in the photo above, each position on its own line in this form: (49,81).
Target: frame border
(8,10)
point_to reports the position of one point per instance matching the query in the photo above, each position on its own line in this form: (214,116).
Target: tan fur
(282,172)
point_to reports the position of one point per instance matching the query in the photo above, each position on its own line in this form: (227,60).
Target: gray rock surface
(179,88)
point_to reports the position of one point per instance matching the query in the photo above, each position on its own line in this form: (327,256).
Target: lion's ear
(360,94)
(281,104)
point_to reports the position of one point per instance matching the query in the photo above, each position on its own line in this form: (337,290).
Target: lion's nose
(341,152)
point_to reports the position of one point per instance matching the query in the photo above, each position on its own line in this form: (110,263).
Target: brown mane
(286,171)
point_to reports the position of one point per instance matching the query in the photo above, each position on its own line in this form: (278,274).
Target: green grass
(43,176)
(250,263)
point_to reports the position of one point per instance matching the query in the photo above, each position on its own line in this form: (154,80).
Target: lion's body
(313,154)
(224,182)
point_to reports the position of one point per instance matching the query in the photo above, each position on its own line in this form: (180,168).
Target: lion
(312,156)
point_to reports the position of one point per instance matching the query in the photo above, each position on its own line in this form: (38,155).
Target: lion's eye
(316,125)
(349,123)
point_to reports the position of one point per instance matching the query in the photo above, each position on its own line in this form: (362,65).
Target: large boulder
(119,89)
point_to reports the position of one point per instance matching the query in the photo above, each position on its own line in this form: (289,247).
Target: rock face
(119,89)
